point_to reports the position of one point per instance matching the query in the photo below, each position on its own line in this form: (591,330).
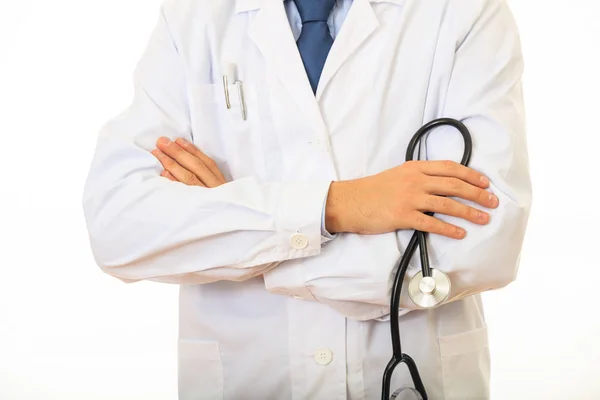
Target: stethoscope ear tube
(436,123)
(428,288)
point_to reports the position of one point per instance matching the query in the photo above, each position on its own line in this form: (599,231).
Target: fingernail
(482,216)
(164,141)
(157,153)
(460,232)
(484,180)
(181,141)
(493,199)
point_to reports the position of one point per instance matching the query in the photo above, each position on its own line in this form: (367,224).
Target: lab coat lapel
(271,32)
(359,24)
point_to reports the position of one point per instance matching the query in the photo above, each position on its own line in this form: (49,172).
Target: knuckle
(445,229)
(482,196)
(473,214)
(450,230)
(431,202)
(453,183)
(423,221)
(176,149)
(449,165)
(168,162)
(200,168)
(411,179)
(444,203)
(411,165)
(189,177)
(211,163)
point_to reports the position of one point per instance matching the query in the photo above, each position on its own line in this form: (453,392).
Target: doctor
(283,225)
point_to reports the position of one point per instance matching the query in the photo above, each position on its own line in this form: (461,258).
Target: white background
(69,332)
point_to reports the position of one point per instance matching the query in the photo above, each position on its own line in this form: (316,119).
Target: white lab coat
(267,317)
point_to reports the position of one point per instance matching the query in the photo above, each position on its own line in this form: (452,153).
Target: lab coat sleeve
(480,81)
(144,227)
(485,93)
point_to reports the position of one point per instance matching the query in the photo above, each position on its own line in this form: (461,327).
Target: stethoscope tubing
(417,239)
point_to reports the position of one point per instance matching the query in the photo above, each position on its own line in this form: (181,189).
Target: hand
(399,198)
(183,162)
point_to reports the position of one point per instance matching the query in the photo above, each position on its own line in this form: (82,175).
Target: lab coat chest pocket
(200,370)
(466,365)
(231,136)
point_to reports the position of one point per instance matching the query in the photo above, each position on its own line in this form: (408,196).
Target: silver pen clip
(241,96)
(229,77)
(226,90)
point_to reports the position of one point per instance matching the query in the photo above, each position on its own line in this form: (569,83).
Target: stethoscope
(429,287)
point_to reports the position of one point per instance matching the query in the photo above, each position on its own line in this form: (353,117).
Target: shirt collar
(242,6)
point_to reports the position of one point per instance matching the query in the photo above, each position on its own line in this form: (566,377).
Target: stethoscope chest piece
(429,291)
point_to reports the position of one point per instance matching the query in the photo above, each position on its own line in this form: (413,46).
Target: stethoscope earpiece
(429,291)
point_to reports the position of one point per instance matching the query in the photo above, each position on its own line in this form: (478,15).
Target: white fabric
(335,22)
(394,66)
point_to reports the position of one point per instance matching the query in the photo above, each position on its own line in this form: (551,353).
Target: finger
(168,175)
(188,161)
(426,223)
(449,186)
(454,170)
(181,174)
(447,206)
(209,162)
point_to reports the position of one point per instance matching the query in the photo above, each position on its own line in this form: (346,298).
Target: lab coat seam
(361,355)
(424,119)
(422,149)
(180,61)
(439,348)
(486,10)
(518,140)
(169,31)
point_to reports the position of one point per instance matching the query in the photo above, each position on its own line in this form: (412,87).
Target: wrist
(336,210)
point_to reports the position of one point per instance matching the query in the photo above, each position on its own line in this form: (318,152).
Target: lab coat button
(323,356)
(299,241)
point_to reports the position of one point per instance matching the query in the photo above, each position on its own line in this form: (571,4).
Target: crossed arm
(395,199)
(145,227)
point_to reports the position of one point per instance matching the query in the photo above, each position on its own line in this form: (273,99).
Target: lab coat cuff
(325,235)
(300,217)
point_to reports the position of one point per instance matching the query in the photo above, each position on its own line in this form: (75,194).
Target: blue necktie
(315,41)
